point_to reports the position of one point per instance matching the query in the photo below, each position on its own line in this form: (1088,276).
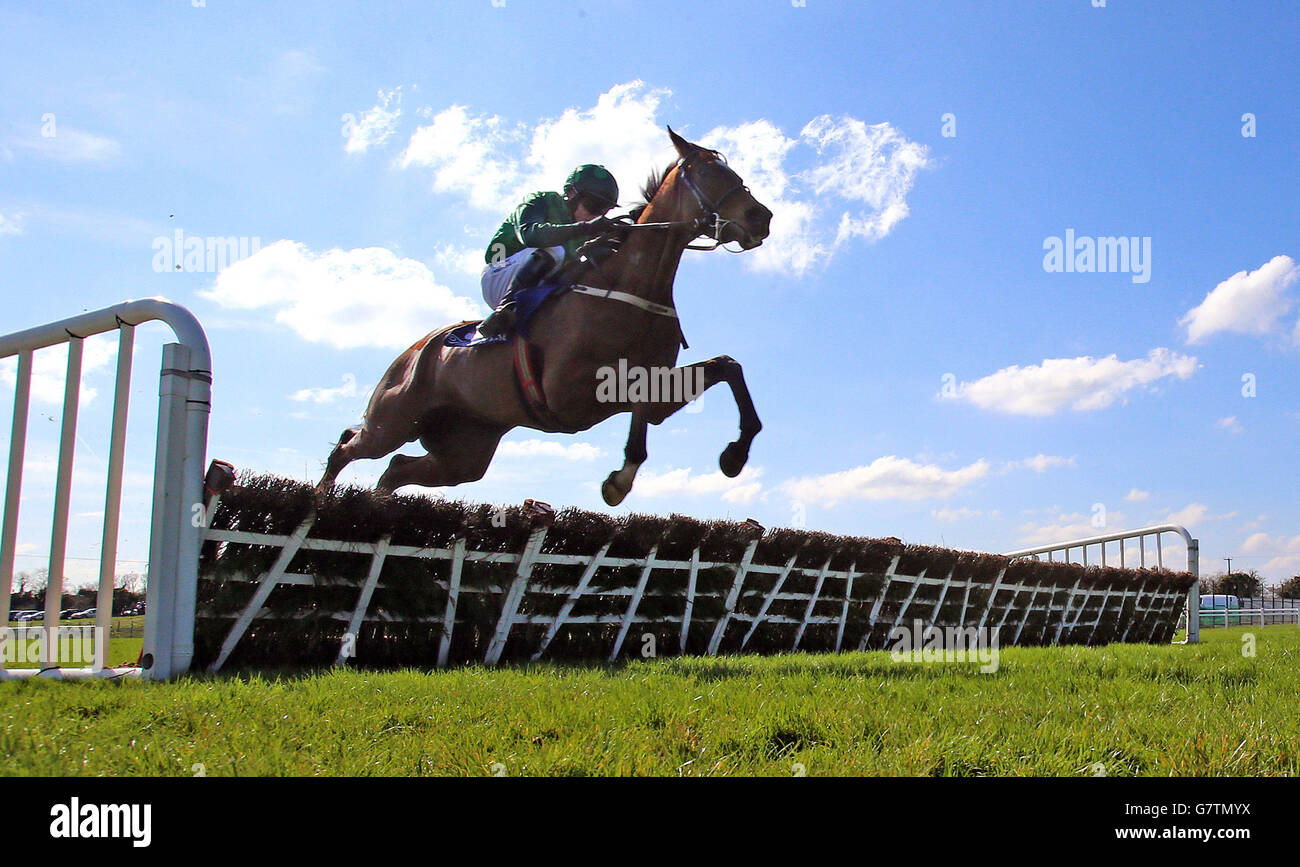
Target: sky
(1032,273)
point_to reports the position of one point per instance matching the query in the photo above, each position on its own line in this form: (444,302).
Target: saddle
(591,256)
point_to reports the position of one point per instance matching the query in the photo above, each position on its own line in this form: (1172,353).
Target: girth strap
(528,377)
(615,295)
(626,298)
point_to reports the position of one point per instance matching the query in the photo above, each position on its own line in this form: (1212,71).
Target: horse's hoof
(611,492)
(733,460)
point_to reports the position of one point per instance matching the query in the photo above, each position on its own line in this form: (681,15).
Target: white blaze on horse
(458,401)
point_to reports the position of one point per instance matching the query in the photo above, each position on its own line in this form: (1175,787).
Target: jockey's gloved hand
(598,226)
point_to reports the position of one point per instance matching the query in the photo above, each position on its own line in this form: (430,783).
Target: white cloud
(621,132)
(494,164)
(1188,516)
(1082,384)
(11,225)
(464,260)
(290,85)
(742,489)
(1136,496)
(1263,543)
(1039,463)
(875,165)
(328,395)
(68,144)
(1230,424)
(1247,302)
(1284,552)
(465,155)
(376,124)
(946,514)
(1282,567)
(757,151)
(840,179)
(344,298)
(50,369)
(533,448)
(886,478)
(100,226)
(1064,527)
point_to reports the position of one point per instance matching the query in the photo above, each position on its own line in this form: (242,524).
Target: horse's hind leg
(366,441)
(460,450)
(338,459)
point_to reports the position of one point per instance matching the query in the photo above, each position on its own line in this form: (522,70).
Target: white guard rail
(184,403)
(1158,530)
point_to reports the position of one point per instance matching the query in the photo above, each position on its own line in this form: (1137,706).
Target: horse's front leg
(726,369)
(620,481)
(695,379)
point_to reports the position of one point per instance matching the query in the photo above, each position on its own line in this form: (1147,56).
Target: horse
(459,401)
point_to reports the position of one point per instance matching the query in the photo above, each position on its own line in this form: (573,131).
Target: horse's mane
(656,180)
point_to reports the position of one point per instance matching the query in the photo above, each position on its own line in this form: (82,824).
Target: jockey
(539,235)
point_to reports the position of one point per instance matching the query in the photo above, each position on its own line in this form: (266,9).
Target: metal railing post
(14,482)
(1194,594)
(177,528)
(62,501)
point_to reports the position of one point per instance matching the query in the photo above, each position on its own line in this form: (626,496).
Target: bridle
(711,222)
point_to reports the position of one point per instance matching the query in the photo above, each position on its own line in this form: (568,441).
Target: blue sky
(919,369)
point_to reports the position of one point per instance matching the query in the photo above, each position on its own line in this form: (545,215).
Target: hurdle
(516,592)
(1157,531)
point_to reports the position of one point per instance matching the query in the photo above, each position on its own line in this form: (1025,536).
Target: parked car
(89,613)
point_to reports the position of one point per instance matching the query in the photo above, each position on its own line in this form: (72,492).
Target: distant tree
(1290,588)
(1241,584)
(131,582)
(1210,585)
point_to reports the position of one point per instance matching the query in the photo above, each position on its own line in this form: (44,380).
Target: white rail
(184,403)
(1157,530)
(1261,613)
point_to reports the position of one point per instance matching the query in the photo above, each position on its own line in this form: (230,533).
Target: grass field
(1119,710)
(125,640)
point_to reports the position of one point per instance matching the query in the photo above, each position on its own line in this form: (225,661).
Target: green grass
(122,649)
(1120,710)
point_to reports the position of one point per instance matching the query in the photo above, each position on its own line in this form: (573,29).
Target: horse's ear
(684,148)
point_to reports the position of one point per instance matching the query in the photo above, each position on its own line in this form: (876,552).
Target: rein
(710,223)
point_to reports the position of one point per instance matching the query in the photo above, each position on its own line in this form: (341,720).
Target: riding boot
(502,319)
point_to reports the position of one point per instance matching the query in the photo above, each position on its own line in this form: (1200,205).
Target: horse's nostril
(759,218)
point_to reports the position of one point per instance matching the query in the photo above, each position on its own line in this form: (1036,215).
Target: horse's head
(710,192)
